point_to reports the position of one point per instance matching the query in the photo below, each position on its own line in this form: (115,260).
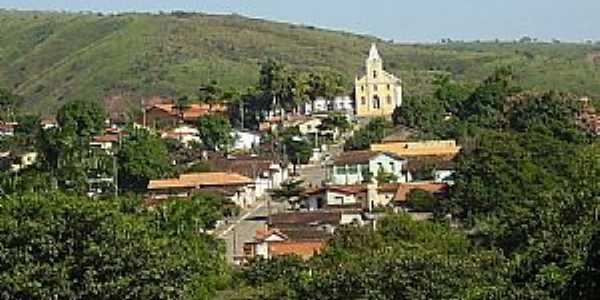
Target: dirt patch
(593,58)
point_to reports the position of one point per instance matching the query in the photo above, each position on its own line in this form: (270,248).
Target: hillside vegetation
(52,58)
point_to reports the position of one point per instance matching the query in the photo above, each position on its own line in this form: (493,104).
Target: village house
(367,197)
(356,167)
(267,174)
(245,140)
(169,115)
(185,134)
(7,129)
(235,187)
(275,242)
(321,105)
(378,92)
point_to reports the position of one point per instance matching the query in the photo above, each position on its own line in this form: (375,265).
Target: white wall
(389,165)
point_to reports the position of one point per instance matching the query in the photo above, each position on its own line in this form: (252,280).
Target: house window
(363,100)
(379,166)
(389,100)
(392,167)
(353,170)
(340,170)
(376,102)
(339,200)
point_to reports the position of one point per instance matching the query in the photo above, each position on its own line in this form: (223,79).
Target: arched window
(363,100)
(389,87)
(375,74)
(362,88)
(376,102)
(375,87)
(389,100)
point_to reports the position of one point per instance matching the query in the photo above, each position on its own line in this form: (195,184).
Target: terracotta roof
(169,184)
(216,178)
(355,157)
(304,249)
(107,138)
(206,180)
(405,189)
(306,218)
(425,148)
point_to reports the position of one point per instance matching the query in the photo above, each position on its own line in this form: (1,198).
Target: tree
(86,118)
(335,121)
(215,132)
(8,103)
(65,247)
(374,132)
(297,148)
(142,157)
(291,191)
(422,201)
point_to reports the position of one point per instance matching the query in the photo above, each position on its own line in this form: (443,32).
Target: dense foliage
(373,132)
(62,247)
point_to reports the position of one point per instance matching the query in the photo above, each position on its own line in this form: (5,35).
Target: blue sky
(404,21)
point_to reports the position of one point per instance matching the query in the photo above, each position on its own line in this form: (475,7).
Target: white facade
(356,173)
(245,141)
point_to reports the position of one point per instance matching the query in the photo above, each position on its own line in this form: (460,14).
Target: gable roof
(424,148)
(306,218)
(208,179)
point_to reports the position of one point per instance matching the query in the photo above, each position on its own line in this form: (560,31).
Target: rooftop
(208,179)
(360,157)
(424,148)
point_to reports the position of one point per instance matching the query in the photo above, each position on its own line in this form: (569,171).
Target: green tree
(64,247)
(86,118)
(215,132)
(141,158)
(422,201)
(374,132)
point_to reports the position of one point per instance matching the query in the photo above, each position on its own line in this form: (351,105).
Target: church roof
(373,53)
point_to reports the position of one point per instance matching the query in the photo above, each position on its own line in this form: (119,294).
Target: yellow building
(378,92)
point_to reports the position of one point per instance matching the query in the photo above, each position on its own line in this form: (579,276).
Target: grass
(50,58)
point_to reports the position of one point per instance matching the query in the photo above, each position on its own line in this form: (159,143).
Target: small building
(267,174)
(7,129)
(245,140)
(275,242)
(185,134)
(105,142)
(169,115)
(239,189)
(357,167)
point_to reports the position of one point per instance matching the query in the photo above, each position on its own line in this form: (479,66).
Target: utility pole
(234,244)
(115,176)
(242,111)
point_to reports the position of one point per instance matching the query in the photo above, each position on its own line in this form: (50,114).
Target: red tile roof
(304,249)
(200,180)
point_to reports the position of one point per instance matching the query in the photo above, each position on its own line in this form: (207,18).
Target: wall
(386,162)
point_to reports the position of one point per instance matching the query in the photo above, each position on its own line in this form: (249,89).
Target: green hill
(50,58)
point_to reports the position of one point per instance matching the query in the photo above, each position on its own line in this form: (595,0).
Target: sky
(399,20)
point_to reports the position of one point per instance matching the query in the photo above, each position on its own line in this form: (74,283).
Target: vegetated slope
(50,58)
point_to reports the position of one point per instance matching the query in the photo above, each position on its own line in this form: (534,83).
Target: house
(169,115)
(321,105)
(105,142)
(378,92)
(444,148)
(366,197)
(245,140)
(185,134)
(275,242)
(235,187)
(7,129)
(356,167)
(267,174)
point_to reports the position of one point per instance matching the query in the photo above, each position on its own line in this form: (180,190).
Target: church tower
(374,64)
(378,92)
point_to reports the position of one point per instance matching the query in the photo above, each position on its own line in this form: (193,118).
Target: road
(243,229)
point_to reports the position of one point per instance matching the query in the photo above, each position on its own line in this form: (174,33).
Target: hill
(51,58)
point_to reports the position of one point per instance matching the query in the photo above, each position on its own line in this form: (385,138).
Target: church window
(389,87)
(375,88)
(389,100)
(376,102)
(374,74)
(362,88)
(363,101)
